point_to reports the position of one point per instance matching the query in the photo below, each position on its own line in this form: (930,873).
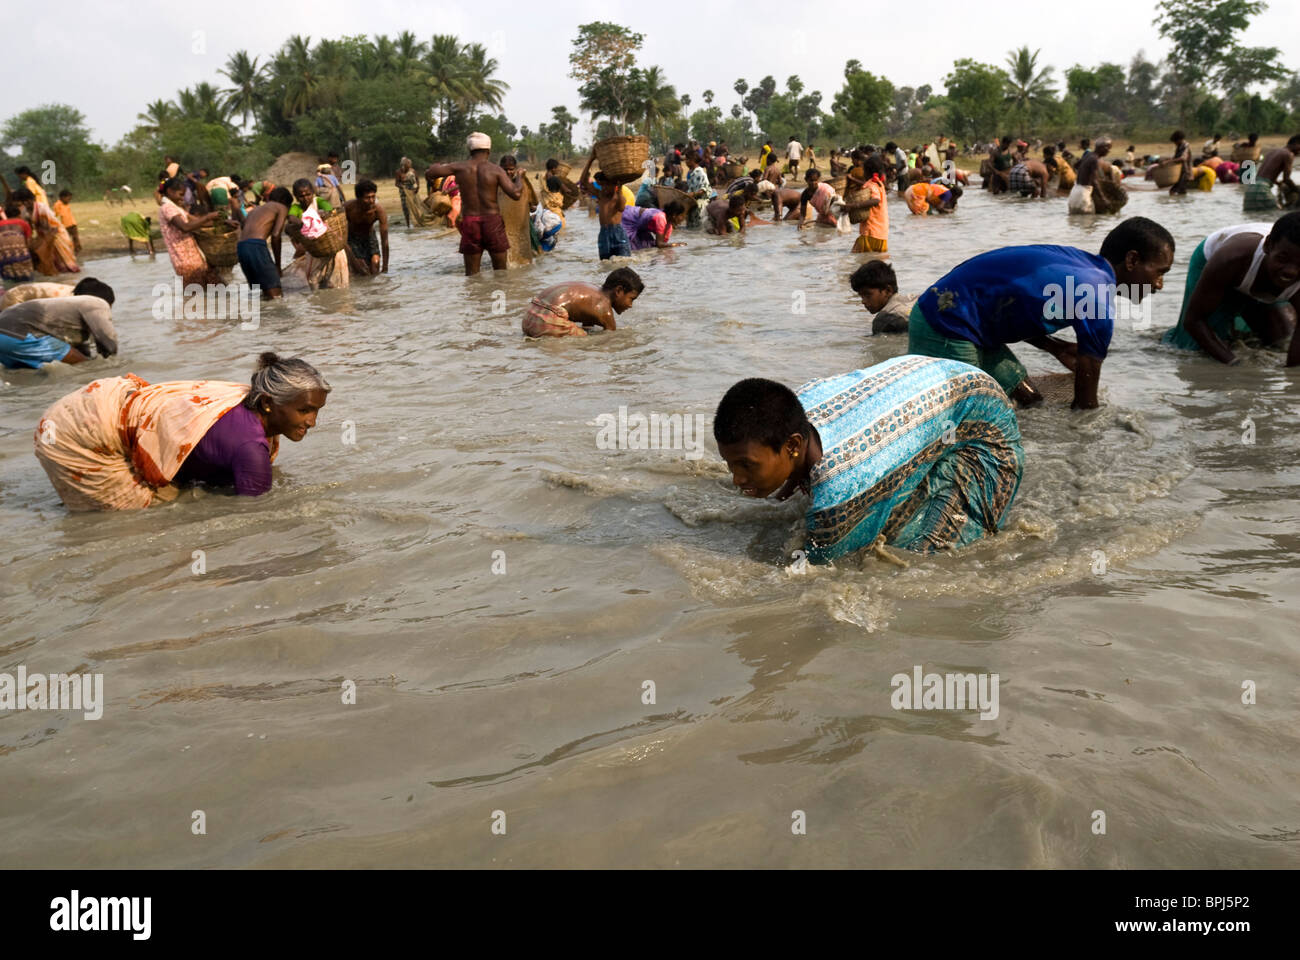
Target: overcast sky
(109,60)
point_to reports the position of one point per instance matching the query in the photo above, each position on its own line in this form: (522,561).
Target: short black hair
(1294,141)
(759,411)
(175,183)
(873,165)
(552,164)
(624,277)
(90,287)
(1085,143)
(1176,136)
(1142,234)
(12,209)
(553,184)
(65,192)
(674,208)
(23,171)
(891,145)
(282,195)
(812,173)
(874,274)
(1286,228)
(365,186)
(303,182)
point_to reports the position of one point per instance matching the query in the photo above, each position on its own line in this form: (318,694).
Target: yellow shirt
(31,184)
(628,196)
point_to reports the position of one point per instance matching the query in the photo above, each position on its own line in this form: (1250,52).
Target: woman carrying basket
(178,230)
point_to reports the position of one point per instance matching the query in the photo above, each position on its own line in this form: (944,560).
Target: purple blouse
(234,452)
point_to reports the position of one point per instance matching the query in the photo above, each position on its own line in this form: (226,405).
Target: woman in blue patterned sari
(922,452)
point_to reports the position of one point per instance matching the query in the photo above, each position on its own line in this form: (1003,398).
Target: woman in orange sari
(123,444)
(52,247)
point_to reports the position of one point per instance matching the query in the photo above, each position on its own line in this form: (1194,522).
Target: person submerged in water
(920,453)
(1026,293)
(877,285)
(564,309)
(122,444)
(1242,280)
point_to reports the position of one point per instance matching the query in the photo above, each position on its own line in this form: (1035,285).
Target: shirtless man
(1029,178)
(1275,170)
(362,213)
(265,222)
(612,240)
(785,199)
(564,309)
(1242,277)
(723,209)
(480,224)
(1086,178)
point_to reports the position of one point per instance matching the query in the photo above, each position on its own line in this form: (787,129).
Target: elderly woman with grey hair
(121,443)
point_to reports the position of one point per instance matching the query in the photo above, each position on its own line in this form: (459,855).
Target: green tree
(652,102)
(601,61)
(245,77)
(54,133)
(157,115)
(1205,46)
(1028,87)
(864,103)
(975,93)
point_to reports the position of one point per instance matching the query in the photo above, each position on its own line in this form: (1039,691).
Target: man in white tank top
(1241,280)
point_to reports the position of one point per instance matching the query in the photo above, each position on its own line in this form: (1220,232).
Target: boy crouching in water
(564,309)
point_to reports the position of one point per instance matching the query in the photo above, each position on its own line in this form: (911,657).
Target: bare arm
(1087,375)
(383,236)
(1204,300)
(436,170)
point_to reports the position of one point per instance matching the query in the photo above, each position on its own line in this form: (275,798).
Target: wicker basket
(857,196)
(664,195)
(331,241)
(218,244)
(563,170)
(1242,154)
(438,203)
(622,159)
(1166,176)
(733,171)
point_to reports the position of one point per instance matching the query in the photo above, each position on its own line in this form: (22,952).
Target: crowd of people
(922,452)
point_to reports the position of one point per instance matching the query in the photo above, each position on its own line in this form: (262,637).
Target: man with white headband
(481,226)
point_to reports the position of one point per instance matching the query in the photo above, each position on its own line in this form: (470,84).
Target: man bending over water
(923,454)
(481,226)
(1243,279)
(564,309)
(1026,293)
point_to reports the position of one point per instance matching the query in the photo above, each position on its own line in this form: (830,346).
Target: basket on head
(331,241)
(218,243)
(563,170)
(1242,154)
(622,159)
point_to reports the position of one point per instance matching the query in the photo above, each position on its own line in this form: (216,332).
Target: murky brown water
(521,691)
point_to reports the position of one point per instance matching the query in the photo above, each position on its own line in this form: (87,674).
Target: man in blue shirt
(1027,293)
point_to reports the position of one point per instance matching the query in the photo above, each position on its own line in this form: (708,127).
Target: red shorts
(483,233)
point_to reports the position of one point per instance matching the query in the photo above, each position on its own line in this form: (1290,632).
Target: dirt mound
(288,167)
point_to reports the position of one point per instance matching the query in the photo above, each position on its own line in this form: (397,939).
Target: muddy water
(1148,571)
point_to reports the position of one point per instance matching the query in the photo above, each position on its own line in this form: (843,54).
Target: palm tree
(409,52)
(301,78)
(708,97)
(446,76)
(202,103)
(686,101)
(564,121)
(382,58)
(1027,86)
(157,115)
(245,76)
(481,87)
(653,102)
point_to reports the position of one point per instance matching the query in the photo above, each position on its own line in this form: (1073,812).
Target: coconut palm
(298,72)
(482,88)
(446,73)
(1027,86)
(382,58)
(653,102)
(409,52)
(245,76)
(202,103)
(157,115)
